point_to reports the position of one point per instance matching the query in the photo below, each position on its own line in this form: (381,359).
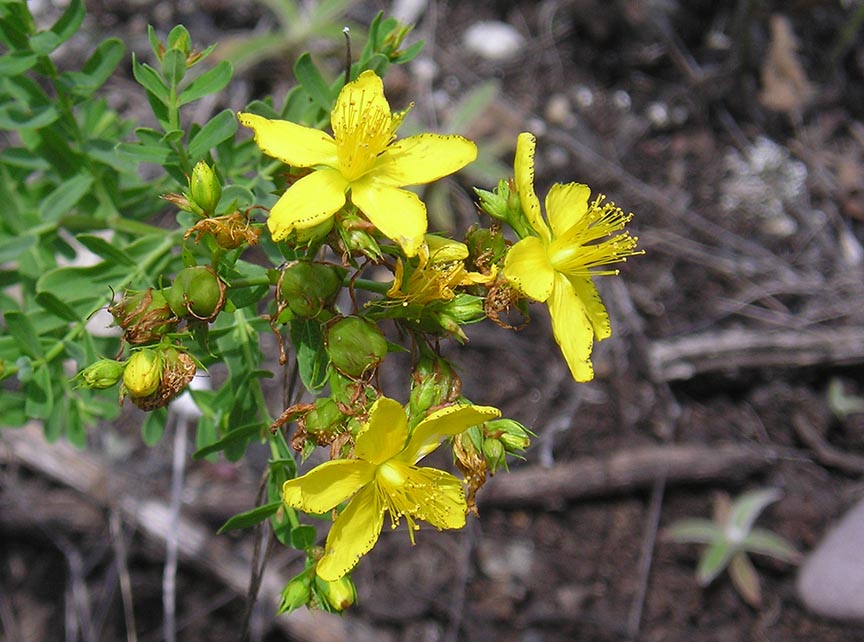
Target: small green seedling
(730,536)
(841,403)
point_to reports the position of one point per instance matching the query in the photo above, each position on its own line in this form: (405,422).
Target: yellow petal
(594,308)
(385,432)
(328,485)
(352,535)
(398,214)
(528,268)
(566,205)
(429,494)
(572,329)
(360,100)
(424,158)
(310,201)
(443,423)
(291,143)
(523,168)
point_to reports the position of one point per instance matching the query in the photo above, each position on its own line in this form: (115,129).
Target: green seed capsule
(309,287)
(355,345)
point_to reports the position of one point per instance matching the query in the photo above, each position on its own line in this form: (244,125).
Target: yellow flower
(555,266)
(363,158)
(440,269)
(383,477)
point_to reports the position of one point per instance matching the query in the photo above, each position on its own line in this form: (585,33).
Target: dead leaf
(785,86)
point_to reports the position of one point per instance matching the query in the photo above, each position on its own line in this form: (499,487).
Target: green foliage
(730,537)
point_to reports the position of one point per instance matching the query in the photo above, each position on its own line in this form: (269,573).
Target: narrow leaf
(19,326)
(103,248)
(57,307)
(313,82)
(746,580)
(250,517)
(65,197)
(713,561)
(154,426)
(149,78)
(69,22)
(210,82)
(241,433)
(221,127)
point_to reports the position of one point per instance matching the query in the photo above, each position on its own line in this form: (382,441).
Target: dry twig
(626,470)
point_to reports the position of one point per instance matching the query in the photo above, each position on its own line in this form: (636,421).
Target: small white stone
(558,111)
(831,580)
(494,41)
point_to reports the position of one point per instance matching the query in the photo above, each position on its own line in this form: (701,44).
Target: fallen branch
(731,350)
(198,545)
(552,487)
(823,451)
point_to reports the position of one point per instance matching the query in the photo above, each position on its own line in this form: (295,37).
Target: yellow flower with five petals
(556,264)
(383,477)
(362,159)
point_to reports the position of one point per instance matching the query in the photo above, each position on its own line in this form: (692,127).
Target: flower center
(362,131)
(585,245)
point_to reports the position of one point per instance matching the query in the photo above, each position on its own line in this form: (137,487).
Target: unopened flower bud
(197,291)
(143,373)
(339,594)
(356,235)
(179,38)
(102,374)
(295,594)
(514,436)
(205,187)
(493,451)
(433,383)
(495,203)
(309,287)
(355,345)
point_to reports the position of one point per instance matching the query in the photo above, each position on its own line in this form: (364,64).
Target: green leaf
(221,127)
(98,68)
(713,561)
(15,116)
(12,409)
(313,82)
(19,326)
(303,536)
(57,307)
(174,67)
(765,542)
(155,44)
(308,340)
(700,531)
(234,436)
(64,198)
(154,426)
(250,517)
(409,54)
(44,42)
(149,78)
(11,249)
(17,62)
(40,394)
(69,23)
(748,506)
(210,82)
(103,248)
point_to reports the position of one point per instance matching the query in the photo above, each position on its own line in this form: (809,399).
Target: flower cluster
(351,186)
